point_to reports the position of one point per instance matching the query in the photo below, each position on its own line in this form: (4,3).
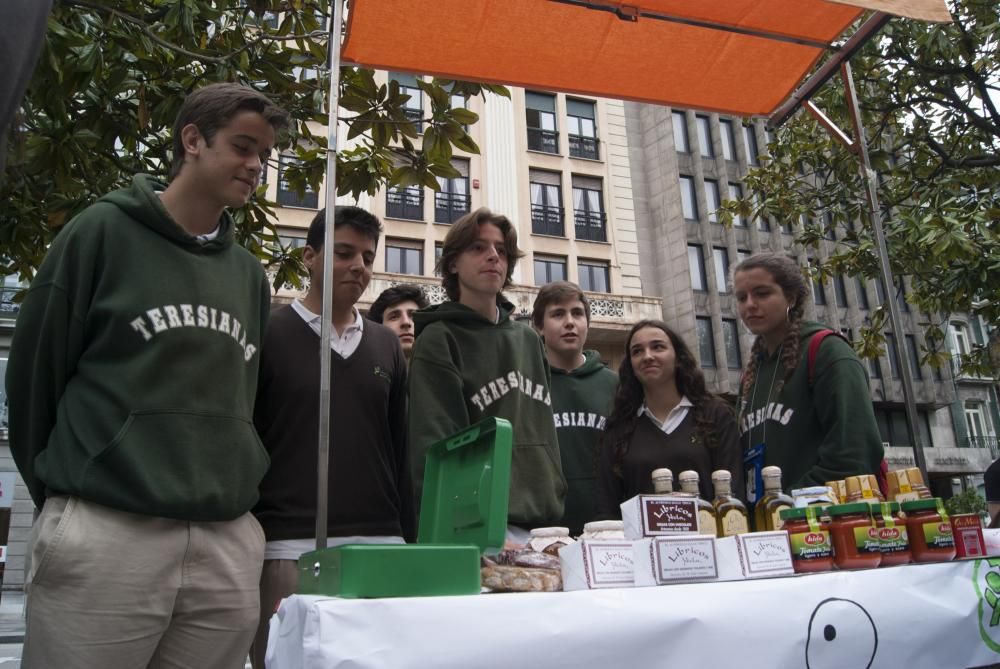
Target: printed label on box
(608,563)
(765,553)
(669,515)
(684,558)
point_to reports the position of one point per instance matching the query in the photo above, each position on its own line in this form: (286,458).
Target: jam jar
(931,538)
(809,537)
(856,542)
(892,533)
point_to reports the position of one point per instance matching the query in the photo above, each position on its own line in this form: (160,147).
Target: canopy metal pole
(869,177)
(333,102)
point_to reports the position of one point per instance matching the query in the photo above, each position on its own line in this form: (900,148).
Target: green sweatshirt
(581,402)
(816,433)
(465,368)
(134,365)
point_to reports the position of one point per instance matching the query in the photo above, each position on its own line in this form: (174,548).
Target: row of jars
(861,535)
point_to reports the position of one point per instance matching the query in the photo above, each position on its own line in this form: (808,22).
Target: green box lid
(467,487)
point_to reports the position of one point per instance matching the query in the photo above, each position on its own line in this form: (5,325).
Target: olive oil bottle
(767,508)
(707,523)
(731,514)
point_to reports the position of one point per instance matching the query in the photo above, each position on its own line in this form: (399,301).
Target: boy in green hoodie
(472,361)
(131,382)
(583,390)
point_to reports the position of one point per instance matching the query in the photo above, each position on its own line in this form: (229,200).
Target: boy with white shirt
(370,499)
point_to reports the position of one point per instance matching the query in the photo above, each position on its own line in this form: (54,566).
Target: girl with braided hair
(814,417)
(663,417)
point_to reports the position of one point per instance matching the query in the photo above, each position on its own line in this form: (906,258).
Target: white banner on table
(930,616)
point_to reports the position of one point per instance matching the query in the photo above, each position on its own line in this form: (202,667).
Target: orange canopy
(732,56)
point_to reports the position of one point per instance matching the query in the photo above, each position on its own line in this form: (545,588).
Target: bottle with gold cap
(730,513)
(663,481)
(689,480)
(767,508)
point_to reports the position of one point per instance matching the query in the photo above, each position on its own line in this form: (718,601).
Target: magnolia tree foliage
(112,77)
(929,96)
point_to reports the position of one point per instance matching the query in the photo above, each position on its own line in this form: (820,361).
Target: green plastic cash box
(463,513)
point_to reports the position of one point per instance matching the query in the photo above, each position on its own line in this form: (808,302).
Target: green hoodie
(581,401)
(134,365)
(464,369)
(816,433)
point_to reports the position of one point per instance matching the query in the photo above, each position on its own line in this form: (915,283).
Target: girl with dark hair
(814,418)
(663,417)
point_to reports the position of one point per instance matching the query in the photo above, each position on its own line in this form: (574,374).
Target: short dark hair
(390,297)
(557,292)
(463,234)
(355,217)
(211,107)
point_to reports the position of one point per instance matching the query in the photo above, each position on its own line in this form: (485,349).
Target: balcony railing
(590,225)
(405,204)
(546,141)
(449,207)
(984,442)
(547,220)
(584,147)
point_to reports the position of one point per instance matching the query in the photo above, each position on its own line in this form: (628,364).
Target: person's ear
(191,139)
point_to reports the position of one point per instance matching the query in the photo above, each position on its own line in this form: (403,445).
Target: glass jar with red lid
(892,534)
(856,543)
(931,538)
(809,538)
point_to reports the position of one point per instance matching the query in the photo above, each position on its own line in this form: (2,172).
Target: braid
(750,375)
(790,351)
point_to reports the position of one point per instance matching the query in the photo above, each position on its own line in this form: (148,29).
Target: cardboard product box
(463,513)
(674,559)
(659,515)
(765,554)
(597,563)
(968,531)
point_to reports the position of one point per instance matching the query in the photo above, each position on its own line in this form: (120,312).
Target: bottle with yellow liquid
(767,508)
(663,481)
(706,512)
(730,513)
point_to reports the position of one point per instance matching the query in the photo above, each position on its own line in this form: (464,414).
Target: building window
(728,139)
(879,291)
(712,202)
(546,203)
(893,429)
(588,209)
(706,346)
(904,306)
(548,269)
(689,203)
(828,227)
(750,140)
(975,419)
(451,202)
(696,265)
(720,258)
(705,147)
(736,193)
(413,109)
(459,102)
(438,252)
(731,334)
(874,368)
(681,142)
(582,129)
(405,202)
(288,197)
(9,289)
(741,255)
(594,276)
(819,290)
(540,113)
(404,256)
(840,290)
(862,292)
(892,354)
(914,355)
(960,339)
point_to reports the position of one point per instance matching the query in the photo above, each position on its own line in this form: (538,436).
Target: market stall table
(914,616)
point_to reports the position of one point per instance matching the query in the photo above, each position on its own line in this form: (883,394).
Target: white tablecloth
(935,616)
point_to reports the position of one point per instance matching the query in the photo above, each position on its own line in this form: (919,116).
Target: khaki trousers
(278,579)
(108,589)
